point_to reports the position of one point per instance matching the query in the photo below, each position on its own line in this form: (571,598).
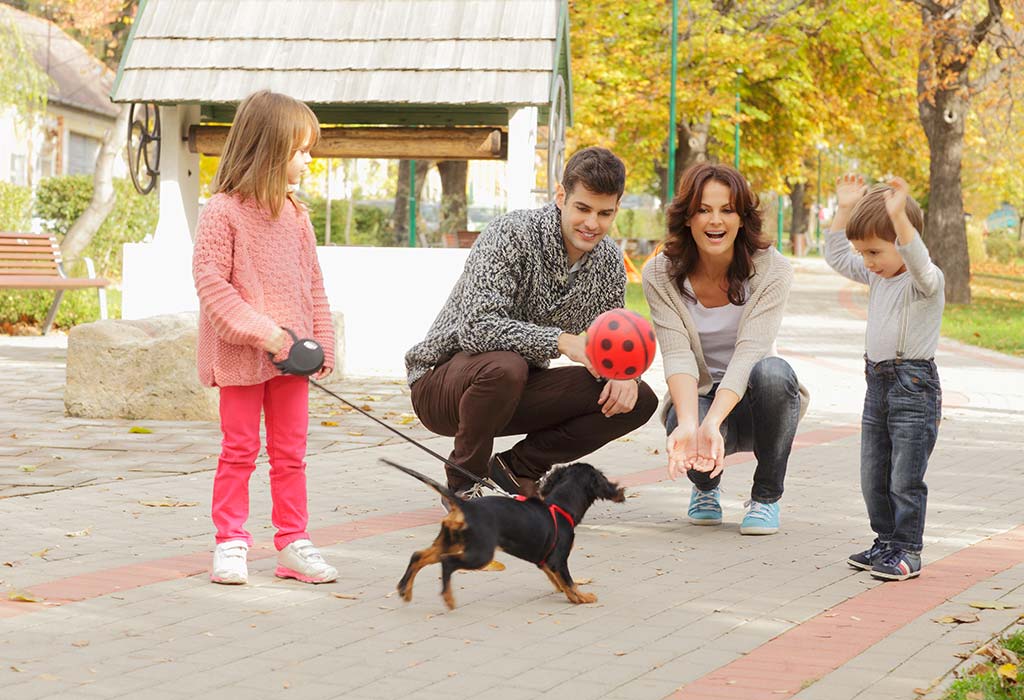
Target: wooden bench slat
(25,255)
(34,262)
(8,272)
(33,282)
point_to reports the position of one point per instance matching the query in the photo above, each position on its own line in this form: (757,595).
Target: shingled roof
(363,58)
(77,78)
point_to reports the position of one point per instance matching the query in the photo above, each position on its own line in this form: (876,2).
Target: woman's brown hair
(681,249)
(268,129)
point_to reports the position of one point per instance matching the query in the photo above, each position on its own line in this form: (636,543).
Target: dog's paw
(585,598)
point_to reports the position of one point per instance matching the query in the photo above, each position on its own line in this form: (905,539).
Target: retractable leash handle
(305,357)
(465,472)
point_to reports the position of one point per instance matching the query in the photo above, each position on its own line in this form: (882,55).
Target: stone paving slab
(131,613)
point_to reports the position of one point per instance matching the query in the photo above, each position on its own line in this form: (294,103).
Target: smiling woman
(716,295)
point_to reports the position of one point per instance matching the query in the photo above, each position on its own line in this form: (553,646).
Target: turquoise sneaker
(705,508)
(761,519)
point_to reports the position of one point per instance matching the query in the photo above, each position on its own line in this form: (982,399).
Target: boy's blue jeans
(764,421)
(902,410)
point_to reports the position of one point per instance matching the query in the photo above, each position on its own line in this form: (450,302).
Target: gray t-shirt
(920,289)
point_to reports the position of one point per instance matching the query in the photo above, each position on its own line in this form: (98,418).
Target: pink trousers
(284,401)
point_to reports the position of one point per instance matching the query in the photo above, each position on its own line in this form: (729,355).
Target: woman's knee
(773,374)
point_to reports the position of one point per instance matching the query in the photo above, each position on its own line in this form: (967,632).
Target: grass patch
(994,319)
(983,681)
(635,300)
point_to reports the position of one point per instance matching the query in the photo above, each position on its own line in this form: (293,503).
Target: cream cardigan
(755,338)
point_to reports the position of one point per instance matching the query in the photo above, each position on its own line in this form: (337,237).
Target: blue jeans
(902,410)
(763,421)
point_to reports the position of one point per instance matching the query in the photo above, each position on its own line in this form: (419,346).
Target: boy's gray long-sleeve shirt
(924,282)
(516,293)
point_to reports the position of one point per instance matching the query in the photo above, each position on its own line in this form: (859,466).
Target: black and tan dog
(538,531)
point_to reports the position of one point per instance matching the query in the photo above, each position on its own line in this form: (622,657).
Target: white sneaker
(229,562)
(301,560)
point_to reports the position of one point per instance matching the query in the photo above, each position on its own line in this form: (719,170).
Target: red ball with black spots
(620,344)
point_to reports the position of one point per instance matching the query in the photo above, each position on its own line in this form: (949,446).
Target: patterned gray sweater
(514,293)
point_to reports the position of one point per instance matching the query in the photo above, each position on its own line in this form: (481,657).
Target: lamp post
(671,185)
(412,203)
(736,130)
(817,214)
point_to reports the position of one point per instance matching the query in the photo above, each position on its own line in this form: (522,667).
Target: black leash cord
(399,433)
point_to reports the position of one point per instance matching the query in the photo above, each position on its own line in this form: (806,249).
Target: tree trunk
(945,233)
(801,217)
(691,147)
(454,216)
(81,232)
(401,215)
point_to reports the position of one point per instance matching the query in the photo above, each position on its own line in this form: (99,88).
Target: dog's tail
(445,492)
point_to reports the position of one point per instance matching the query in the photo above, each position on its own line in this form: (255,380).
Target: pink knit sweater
(253,274)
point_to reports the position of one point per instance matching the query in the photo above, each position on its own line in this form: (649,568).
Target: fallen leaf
(623,653)
(17,670)
(41,553)
(345,596)
(354,433)
(9,563)
(286,685)
(329,423)
(80,643)
(990,605)
(139,430)
(407,418)
(999,654)
(956,619)
(963,655)
(1008,672)
(920,691)
(28,467)
(169,504)
(854,618)
(495,565)
(584,581)
(78,533)
(23,597)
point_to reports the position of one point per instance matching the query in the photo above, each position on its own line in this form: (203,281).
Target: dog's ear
(608,490)
(551,479)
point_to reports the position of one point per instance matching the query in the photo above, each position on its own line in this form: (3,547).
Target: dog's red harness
(555,512)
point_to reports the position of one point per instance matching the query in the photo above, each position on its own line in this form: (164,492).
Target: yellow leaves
(495,565)
(329,423)
(1007,672)
(23,597)
(28,468)
(78,533)
(139,430)
(41,554)
(168,504)
(345,596)
(957,619)
(406,418)
(990,605)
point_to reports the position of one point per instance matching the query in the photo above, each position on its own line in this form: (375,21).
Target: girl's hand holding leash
(277,341)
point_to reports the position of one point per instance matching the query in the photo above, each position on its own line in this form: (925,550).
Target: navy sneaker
(898,565)
(705,508)
(869,557)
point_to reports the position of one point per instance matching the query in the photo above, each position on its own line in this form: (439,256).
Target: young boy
(903,402)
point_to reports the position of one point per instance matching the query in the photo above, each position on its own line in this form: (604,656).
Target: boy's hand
(896,198)
(850,189)
(575,348)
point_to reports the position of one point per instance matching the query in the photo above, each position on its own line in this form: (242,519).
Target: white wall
(389,296)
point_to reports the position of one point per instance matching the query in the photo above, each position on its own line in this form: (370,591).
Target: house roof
(417,54)
(77,78)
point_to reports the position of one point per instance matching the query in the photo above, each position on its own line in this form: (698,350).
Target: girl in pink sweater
(256,272)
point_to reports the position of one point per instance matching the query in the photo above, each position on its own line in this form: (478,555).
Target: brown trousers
(476,398)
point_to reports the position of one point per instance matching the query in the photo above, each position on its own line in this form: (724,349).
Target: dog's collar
(555,512)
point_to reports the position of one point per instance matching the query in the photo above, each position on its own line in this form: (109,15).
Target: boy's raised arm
(850,188)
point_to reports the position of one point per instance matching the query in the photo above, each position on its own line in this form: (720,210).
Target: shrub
(15,208)
(1003,247)
(371,226)
(976,245)
(60,200)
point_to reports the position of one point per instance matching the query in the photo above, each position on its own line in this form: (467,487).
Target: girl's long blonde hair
(268,129)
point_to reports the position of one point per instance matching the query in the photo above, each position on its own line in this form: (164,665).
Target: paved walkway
(110,531)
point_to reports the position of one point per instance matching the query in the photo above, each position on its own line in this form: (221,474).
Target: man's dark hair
(597,169)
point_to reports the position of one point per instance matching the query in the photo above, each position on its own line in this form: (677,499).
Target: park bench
(32,261)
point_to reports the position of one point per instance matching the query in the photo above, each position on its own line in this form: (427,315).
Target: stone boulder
(144,369)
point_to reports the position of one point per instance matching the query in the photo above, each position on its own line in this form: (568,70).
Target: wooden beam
(427,143)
